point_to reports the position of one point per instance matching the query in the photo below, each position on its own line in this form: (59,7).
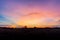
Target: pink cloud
(26,12)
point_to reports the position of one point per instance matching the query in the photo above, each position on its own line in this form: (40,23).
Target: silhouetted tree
(47,27)
(34,27)
(25,26)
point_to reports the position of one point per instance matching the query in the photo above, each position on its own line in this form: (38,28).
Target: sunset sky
(30,12)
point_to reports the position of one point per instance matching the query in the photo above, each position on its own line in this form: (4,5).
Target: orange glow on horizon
(36,19)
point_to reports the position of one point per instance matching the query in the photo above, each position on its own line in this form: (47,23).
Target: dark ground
(31,31)
(26,31)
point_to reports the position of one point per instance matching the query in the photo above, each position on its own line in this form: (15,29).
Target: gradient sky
(30,12)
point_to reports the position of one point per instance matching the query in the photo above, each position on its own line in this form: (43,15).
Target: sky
(30,12)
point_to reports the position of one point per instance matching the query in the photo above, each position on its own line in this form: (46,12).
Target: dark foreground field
(30,31)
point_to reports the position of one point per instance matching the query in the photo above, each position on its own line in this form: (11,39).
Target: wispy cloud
(45,12)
